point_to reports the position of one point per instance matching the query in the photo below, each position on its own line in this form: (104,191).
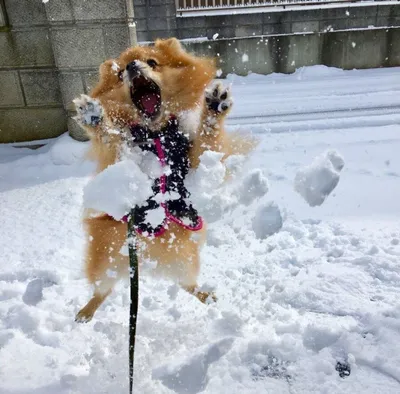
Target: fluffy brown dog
(145,86)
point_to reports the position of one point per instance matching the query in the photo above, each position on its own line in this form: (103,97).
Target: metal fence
(193,5)
(3,19)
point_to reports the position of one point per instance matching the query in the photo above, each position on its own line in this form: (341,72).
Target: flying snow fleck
(245,58)
(115,67)
(353,44)
(215,36)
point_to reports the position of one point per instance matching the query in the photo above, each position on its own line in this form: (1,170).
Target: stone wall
(50,53)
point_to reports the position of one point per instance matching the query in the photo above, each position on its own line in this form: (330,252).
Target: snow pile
(317,181)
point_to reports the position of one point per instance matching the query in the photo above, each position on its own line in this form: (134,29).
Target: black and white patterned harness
(171,146)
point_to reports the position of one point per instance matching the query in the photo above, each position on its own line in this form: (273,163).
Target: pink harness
(168,216)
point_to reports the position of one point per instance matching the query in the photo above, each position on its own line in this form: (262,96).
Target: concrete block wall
(49,54)
(155,19)
(30,98)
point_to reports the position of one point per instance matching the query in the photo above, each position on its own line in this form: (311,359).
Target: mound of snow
(313,72)
(267,220)
(66,151)
(316,181)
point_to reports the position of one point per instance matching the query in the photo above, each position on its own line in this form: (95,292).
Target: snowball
(234,163)
(254,185)
(267,220)
(34,292)
(118,189)
(215,36)
(316,181)
(115,66)
(245,58)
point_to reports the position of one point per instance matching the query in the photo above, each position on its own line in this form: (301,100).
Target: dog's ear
(170,44)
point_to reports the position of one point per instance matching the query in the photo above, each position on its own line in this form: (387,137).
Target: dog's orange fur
(182,79)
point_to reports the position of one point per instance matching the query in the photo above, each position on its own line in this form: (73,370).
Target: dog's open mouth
(146,96)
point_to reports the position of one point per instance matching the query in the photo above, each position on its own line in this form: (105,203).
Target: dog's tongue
(149,102)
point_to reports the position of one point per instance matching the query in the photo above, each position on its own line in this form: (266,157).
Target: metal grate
(204,5)
(3,16)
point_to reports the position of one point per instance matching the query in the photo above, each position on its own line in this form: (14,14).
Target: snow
(317,181)
(123,185)
(304,293)
(267,220)
(117,189)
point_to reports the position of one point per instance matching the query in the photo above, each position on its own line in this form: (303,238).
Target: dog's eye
(152,63)
(121,75)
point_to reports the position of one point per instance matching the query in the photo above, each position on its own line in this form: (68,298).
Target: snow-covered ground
(302,291)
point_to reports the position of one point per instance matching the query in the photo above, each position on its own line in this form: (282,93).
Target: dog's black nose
(133,68)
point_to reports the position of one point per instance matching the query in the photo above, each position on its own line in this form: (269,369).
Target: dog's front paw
(218,98)
(89,111)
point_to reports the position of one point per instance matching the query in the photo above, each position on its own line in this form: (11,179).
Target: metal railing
(200,5)
(3,16)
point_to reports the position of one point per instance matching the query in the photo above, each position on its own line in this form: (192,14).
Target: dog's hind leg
(177,255)
(105,265)
(188,277)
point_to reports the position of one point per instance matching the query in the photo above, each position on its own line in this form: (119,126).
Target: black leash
(134,285)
